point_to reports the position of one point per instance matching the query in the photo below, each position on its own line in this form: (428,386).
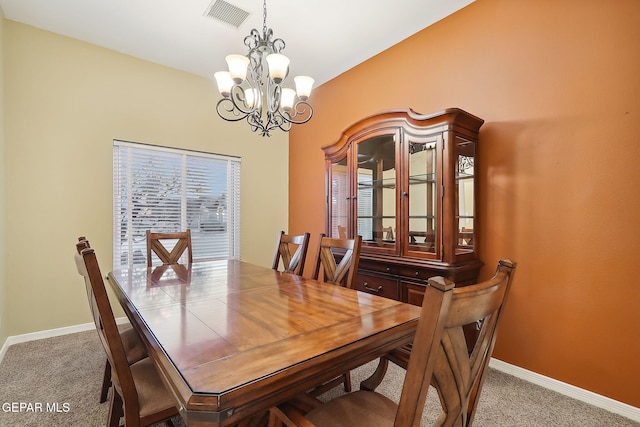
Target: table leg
(375,379)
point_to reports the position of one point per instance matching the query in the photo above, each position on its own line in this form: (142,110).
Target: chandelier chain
(264,17)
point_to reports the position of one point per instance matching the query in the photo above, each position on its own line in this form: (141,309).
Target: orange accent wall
(558,85)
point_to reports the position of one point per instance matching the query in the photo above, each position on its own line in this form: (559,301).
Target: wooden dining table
(232,339)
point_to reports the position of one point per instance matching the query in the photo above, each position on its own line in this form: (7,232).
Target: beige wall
(557,83)
(3,311)
(65,103)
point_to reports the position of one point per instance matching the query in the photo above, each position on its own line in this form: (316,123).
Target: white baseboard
(569,390)
(50,333)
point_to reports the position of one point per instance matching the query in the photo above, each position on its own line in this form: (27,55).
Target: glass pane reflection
(422,196)
(376,196)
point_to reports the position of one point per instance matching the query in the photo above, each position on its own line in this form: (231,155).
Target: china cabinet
(406,183)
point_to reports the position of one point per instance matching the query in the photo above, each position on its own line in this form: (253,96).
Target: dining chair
(138,394)
(439,356)
(388,233)
(342,274)
(156,245)
(286,244)
(348,253)
(133,346)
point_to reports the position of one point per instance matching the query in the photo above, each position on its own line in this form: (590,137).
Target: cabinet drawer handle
(417,273)
(366,286)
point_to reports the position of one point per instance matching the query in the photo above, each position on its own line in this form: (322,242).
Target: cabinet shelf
(372,185)
(464,176)
(422,179)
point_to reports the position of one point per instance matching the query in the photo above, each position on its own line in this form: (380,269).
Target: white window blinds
(168,190)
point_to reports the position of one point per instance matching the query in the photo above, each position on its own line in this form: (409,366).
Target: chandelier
(253,89)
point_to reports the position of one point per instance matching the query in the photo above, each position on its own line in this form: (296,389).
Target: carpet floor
(56,382)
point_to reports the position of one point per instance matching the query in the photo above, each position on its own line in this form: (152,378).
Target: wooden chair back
(83,243)
(156,246)
(292,263)
(105,322)
(460,371)
(440,355)
(344,272)
(388,233)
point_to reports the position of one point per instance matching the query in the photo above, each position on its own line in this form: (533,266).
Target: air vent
(226,12)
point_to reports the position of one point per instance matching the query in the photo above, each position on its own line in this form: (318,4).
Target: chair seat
(153,396)
(134,350)
(360,408)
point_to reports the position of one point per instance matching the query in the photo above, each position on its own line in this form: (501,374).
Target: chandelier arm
(255,64)
(238,97)
(284,122)
(300,113)
(256,124)
(273,93)
(227,112)
(278,45)
(277,120)
(252,40)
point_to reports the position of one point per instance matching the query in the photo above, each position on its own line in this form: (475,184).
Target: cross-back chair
(133,346)
(388,233)
(292,263)
(138,392)
(156,246)
(440,356)
(343,272)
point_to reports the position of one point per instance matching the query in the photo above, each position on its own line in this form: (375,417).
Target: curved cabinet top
(449,119)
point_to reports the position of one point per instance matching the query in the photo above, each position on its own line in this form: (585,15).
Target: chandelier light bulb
(287,99)
(237,67)
(278,67)
(251,97)
(224,82)
(304,84)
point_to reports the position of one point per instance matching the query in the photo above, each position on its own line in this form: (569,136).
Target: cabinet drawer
(417,273)
(466,275)
(377,266)
(376,285)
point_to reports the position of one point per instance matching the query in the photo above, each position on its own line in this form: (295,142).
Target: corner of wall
(3,329)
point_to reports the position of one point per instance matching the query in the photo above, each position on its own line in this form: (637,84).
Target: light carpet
(60,378)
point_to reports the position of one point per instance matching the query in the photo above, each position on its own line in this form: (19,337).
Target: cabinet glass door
(376,191)
(339,199)
(422,195)
(465,194)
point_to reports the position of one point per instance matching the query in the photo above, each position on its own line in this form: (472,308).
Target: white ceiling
(324,37)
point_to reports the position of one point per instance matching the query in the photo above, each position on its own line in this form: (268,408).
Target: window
(167,190)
